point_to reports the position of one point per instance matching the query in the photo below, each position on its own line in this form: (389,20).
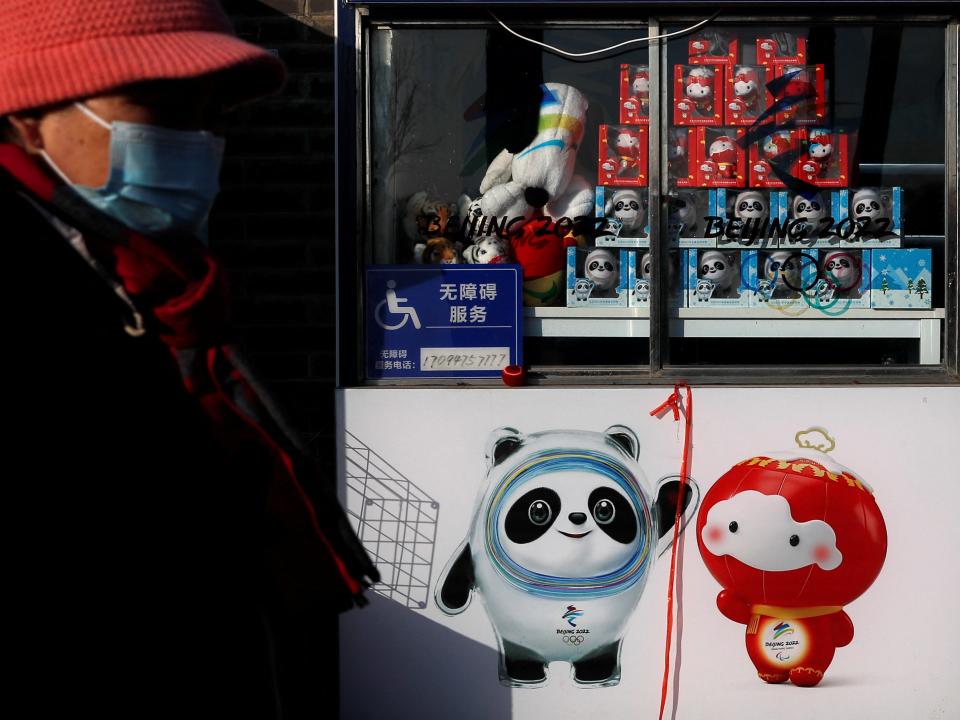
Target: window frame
(355,23)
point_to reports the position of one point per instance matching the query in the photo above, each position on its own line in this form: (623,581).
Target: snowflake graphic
(883,258)
(922,263)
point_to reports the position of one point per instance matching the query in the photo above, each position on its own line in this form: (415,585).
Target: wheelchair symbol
(394,307)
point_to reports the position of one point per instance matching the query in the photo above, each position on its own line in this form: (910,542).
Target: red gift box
(803,88)
(746,94)
(823,161)
(712,49)
(781,147)
(722,160)
(682,156)
(697,94)
(635,94)
(623,156)
(770,51)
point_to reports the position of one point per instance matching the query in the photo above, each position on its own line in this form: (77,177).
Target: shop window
(787,182)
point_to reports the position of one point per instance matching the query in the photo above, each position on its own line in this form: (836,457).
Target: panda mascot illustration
(563,538)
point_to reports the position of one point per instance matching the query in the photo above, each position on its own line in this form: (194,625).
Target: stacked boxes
(763,208)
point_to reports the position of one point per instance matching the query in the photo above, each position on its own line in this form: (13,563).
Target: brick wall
(273,222)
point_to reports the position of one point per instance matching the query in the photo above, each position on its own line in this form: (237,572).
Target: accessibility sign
(451,321)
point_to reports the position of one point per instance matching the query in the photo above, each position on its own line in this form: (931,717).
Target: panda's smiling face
(569,524)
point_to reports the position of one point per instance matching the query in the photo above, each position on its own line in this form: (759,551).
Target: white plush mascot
(541,175)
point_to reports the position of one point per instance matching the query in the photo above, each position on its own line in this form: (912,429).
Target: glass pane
(447,102)
(807,194)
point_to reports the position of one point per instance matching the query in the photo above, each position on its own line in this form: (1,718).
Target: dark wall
(273,222)
(273,228)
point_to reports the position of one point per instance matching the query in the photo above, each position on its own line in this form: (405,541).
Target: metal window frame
(352,163)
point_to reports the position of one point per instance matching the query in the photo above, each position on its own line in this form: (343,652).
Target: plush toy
(792,537)
(542,253)
(627,207)
(819,152)
(724,154)
(490,250)
(539,183)
(563,537)
(439,251)
(872,209)
(432,228)
(541,176)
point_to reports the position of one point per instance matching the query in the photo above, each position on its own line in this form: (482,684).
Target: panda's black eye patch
(616,517)
(531,515)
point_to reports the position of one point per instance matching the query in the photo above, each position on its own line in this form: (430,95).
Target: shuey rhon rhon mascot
(746,92)
(563,538)
(792,537)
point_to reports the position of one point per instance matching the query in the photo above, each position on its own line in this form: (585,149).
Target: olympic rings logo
(573,639)
(823,293)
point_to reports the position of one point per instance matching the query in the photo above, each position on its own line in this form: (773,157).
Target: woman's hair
(8,133)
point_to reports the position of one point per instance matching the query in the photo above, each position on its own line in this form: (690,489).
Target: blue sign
(443,321)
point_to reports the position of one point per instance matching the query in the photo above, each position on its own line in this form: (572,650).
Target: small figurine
(775,145)
(842,271)
(746,91)
(782,270)
(751,205)
(627,207)
(640,89)
(819,153)
(808,211)
(683,218)
(627,147)
(720,270)
(677,153)
(723,153)
(698,88)
(601,267)
(873,210)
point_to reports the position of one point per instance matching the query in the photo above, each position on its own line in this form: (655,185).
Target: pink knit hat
(57,50)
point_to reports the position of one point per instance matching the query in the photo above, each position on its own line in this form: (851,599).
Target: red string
(673,402)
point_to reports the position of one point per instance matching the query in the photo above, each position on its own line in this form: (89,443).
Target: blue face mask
(161,181)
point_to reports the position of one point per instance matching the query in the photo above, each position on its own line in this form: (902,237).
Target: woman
(164,550)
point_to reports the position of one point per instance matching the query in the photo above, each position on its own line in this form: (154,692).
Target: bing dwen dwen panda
(563,537)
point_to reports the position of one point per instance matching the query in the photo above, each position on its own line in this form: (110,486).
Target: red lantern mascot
(792,537)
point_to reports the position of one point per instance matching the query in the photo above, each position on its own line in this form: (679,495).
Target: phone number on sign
(443,359)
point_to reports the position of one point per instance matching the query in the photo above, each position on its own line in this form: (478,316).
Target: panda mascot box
(563,537)
(792,537)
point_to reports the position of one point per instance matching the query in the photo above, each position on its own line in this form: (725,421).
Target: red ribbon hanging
(674,403)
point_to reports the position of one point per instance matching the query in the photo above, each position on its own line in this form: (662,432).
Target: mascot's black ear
(625,439)
(501,444)
(453,592)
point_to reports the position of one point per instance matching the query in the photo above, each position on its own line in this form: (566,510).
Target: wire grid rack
(395,520)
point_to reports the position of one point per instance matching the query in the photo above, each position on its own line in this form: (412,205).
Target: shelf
(923,325)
